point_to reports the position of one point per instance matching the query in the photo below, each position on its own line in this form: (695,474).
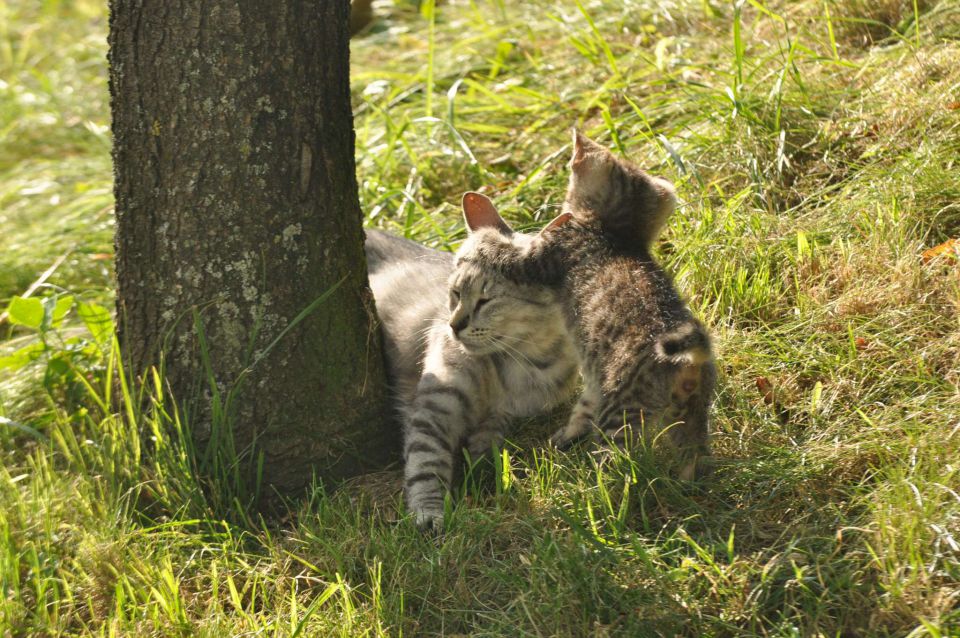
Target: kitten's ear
(557,222)
(479,212)
(579,148)
(584,148)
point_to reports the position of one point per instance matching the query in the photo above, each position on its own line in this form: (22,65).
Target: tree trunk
(237,203)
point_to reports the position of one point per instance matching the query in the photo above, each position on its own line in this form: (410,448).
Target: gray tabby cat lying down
(646,361)
(467,352)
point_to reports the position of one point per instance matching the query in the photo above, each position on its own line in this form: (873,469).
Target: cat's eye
(480,302)
(455,294)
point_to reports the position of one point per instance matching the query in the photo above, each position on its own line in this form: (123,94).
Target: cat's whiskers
(504,349)
(537,349)
(423,335)
(533,345)
(518,356)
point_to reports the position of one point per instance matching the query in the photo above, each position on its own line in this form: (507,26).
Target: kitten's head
(489,313)
(605,191)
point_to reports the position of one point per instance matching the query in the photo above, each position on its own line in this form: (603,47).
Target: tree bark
(236,202)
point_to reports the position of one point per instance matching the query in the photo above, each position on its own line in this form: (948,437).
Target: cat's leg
(687,428)
(487,435)
(634,407)
(620,422)
(433,432)
(580,422)
(688,417)
(428,467)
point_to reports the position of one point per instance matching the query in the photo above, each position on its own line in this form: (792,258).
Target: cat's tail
(688,344)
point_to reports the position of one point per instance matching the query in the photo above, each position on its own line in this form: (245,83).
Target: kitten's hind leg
(688,418)
(580,422)
(622,425)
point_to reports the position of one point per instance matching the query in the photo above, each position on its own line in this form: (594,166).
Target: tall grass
(815,149)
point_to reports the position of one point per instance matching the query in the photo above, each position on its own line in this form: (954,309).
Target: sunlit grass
(815,147)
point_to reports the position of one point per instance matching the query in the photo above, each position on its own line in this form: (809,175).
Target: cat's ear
(585,149)
(479,212)
(579,148)
(557,222)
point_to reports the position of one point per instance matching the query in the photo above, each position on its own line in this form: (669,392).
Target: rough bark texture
(236,196)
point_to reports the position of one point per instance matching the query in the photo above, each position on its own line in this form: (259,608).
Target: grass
(815,147)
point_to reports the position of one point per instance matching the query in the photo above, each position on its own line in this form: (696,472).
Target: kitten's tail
(688,344)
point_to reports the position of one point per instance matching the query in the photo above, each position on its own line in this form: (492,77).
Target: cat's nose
(459,324)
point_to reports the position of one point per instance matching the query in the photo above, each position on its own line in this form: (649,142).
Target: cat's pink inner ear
(557,222)
(479,212)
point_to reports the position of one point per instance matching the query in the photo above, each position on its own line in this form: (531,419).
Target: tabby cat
(646,361)
(467,351)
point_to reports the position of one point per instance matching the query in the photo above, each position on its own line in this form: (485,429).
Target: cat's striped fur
(646,361)
(468,351)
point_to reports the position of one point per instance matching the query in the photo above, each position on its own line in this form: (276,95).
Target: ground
(815,146)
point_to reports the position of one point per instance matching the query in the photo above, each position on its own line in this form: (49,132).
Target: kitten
(467,352)
(646,361)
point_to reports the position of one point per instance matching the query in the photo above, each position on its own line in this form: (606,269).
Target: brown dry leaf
(860,343)
(765,387)
(953,106)
(950,248)
(101,256)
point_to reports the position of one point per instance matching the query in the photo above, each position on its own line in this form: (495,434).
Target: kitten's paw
(561,440)
(429,521)
(573,430)
(564,438)
(689,471)
(697,468)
